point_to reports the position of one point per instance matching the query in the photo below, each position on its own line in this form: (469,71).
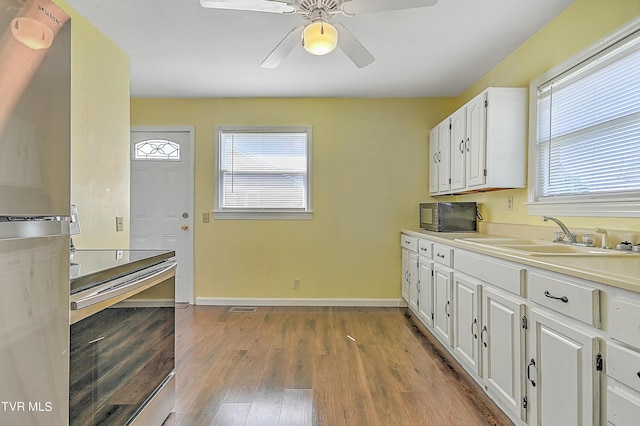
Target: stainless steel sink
(540,247)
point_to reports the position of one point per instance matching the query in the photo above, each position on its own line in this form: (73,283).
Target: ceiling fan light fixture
(319,37)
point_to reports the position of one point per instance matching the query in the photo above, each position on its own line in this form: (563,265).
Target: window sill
(262,215)
(586,209)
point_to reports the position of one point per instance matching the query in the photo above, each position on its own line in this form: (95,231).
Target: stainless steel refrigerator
(35,103)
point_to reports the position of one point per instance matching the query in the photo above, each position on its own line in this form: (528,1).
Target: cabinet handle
(564,299)
(446,310)
(638,373)
(475,322)
(441,256)
(484,330)
(409,277)
(466,145)
(531,364)
(461,147)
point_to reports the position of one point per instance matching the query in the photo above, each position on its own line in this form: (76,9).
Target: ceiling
(179,49)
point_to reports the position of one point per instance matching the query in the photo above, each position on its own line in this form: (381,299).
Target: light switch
(119,224)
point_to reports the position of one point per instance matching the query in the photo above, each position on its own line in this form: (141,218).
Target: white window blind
(263,170)
(588,127)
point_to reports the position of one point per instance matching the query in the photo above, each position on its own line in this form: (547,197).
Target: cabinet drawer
(443,254)
(425,248)
(623,405)
(566,297)
(624,365)
(408,242)
(509,277)
(624,320)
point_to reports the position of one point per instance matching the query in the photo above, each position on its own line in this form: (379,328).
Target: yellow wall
(576,29)
(99,134)
(369,174)
(368,177)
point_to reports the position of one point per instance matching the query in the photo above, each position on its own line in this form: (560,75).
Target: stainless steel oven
(122,342)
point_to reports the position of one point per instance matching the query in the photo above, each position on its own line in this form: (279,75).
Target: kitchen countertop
(617,271)
(93,267)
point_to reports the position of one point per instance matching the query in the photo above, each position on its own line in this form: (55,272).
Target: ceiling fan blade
(273,6)
(283,48)
(359,7)
(352,47)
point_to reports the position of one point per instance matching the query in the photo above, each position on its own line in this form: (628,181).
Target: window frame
(602,205)
(254,213)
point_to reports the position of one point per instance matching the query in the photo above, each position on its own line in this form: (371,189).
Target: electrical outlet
(510,202)
(205,217)
(296,284)
(119,223)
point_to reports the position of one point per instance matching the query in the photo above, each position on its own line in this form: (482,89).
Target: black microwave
(449,217)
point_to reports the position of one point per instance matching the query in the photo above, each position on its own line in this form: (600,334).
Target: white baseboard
(224,301)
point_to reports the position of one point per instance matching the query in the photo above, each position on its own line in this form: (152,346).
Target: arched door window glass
(156,149)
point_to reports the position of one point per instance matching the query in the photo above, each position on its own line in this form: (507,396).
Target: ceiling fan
(319,36)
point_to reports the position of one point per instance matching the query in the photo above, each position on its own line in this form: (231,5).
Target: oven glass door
(120,355)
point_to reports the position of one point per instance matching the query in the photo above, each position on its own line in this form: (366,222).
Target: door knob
(185,227)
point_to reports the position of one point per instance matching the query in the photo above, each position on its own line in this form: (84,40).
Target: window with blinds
(587,144)
(263,173)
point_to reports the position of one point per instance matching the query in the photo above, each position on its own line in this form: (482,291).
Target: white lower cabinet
(442,319)
(503,341)
(467,322)
(562,378)
(405,275)
(623,359)
(413,282)
(409,246)
(425,278)
(623,385)
(531,337)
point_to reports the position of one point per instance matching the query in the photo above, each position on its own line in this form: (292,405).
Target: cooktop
(93,267)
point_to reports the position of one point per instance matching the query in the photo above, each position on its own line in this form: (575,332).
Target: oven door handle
(126,289)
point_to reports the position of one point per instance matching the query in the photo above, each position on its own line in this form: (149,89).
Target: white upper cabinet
(434,170)
(482,146)
(476,142)
(444,156)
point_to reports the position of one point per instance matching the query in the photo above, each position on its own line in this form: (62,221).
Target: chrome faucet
(571,236)
(604,244)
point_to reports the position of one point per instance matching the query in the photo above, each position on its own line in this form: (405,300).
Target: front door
(162,197)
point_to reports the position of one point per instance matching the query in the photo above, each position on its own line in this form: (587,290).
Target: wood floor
(313,366)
